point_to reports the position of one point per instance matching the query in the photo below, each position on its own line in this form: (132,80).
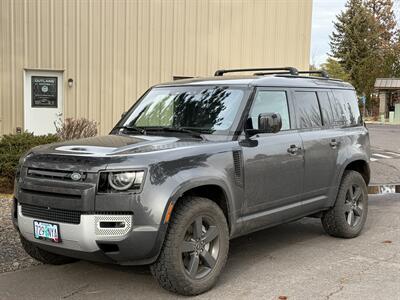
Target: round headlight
(122,180)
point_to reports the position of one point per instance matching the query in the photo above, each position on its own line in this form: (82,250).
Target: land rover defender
(193,164)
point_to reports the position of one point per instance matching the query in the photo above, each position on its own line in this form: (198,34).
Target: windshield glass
(206,109)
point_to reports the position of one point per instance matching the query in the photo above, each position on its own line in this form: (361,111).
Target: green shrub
(12,146)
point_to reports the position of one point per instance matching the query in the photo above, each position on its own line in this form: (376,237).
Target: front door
(273,164)
(43,101)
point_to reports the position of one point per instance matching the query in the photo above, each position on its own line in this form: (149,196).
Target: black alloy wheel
(353,205)
(200,247)
(195,249)
(347,217)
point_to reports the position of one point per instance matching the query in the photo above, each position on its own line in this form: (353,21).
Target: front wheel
(347,218)
(195,248)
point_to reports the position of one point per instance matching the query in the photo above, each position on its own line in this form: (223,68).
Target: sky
(324,13)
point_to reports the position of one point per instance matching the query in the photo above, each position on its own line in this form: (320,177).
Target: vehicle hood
(116,145)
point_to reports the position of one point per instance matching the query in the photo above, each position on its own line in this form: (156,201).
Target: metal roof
(387,83)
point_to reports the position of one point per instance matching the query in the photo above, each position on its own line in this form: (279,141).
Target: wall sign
(44,91)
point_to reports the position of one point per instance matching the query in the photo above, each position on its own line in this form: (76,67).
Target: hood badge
(76,176)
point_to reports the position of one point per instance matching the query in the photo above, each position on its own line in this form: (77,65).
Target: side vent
(238,167)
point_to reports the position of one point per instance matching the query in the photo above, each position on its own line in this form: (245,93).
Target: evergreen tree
(388,39)
(335,69)
(354,44)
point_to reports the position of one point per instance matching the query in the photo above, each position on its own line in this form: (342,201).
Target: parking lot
(296,260)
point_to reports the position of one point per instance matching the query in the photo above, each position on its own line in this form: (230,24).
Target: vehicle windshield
(203,109)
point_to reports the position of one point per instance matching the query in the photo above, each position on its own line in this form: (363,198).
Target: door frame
(27,90)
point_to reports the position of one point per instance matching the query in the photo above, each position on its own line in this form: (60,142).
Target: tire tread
(164,269)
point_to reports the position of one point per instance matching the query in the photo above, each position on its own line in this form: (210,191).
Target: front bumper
(130,245)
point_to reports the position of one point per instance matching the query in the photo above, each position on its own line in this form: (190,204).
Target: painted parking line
(381,155)
(393,153)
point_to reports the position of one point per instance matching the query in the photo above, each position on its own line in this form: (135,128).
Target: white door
(43,100)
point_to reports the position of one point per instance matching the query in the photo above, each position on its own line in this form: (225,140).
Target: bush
(71,129)
(11,148)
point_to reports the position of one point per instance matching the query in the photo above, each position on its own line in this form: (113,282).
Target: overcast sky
(324,13)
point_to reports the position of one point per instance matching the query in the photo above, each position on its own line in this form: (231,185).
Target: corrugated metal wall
(115,50)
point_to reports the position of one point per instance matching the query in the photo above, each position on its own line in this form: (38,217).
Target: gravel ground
(12,256)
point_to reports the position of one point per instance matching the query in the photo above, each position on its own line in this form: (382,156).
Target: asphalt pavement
(296,260)
(385,158)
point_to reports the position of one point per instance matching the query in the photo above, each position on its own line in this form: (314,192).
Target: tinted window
(308,109)
(270,102)
(326,109)
(347,107)
(210,108)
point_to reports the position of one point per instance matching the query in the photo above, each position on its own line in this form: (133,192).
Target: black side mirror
(269,123)
(123,114)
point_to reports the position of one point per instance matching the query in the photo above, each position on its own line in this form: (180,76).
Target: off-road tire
(43,255)
(169,269)
(334,220)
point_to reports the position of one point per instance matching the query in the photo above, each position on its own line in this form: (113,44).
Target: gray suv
(193,164)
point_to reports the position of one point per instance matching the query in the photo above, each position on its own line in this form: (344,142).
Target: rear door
(314,119)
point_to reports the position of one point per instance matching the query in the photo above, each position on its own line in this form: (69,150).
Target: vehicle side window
(308,110)
(270,102)
(326,109)
(347,104)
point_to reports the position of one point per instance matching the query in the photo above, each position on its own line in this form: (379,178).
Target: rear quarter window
(346,108)
(326,108)
(307,109)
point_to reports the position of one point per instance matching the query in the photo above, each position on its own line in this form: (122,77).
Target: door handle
(333,143)
(293,149)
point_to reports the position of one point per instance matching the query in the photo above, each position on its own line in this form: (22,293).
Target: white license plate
(46,231)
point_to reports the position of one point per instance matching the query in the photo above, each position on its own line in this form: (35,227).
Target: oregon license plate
(46,231)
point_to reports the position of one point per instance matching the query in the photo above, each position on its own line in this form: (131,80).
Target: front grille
(63,215)
(54,175)
(51,214)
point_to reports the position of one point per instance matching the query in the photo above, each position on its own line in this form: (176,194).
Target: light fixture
(70,82)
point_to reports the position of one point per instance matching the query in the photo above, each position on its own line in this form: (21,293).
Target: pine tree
(335,69)
(388,40)
(354,43)
(382,11)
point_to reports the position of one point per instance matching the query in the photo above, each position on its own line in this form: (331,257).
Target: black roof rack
(290,70)
(271,73)
(320,72)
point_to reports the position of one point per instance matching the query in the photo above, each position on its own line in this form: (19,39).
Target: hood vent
(238,167)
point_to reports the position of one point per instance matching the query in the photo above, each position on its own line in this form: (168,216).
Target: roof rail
(322,73)
(309,77)
(290,70)
(271,73)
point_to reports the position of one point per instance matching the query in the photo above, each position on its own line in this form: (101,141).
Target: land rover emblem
(76,176)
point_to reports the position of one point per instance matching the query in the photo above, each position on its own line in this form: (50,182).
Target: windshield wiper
(193,133)
(132,128)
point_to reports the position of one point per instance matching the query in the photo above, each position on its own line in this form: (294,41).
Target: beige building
(92,59)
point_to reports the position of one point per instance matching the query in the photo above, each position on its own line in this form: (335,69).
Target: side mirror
(123,114)
(269,123)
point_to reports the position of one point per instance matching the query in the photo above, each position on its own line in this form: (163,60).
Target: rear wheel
(347,218)
(195,249)
(43,255)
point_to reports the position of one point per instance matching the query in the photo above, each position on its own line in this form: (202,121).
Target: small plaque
(44,91)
